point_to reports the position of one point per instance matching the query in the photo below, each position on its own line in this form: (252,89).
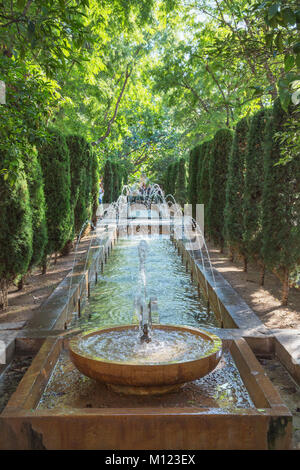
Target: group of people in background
(138,192)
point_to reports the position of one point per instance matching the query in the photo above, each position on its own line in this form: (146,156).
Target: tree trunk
(262,275)
(44,265)
(94,218)
(245,264)
(3,294)
(67,248)
(21,283)
(285,287)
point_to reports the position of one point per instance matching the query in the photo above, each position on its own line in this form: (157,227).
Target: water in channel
(112,299)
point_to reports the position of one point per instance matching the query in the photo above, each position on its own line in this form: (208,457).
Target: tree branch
(112,120)
(201,101)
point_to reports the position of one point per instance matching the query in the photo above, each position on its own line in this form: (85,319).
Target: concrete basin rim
(216,349)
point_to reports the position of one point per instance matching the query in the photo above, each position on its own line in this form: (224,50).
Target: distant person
(101,193)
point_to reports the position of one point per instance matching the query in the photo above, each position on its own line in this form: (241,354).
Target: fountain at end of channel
(175,354)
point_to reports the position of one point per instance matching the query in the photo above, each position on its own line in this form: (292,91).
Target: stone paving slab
(287,349)
(17,325)
(7,347)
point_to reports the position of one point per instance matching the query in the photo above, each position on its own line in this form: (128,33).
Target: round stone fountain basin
(186,354)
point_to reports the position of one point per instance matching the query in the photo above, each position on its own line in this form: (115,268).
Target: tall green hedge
(253,190)
(117,180)
(280,205)
(15,230)
(194,162)
(114,175)
(172,176)
(218,162)
(95,185)
(203,184)
(180,183)
(55,162)
(233,214)
(78,157)
(107,183)
(35,182)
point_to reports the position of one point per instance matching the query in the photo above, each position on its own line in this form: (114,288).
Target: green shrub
(180,183)
(194,163)
(218,163)
(233,214)
(95,185)
(280,205)
(203,190)
(172,176)
(78,155)
(35,184)
(116,170)
(108,183)
(15,230)
(254,180)
(55,163)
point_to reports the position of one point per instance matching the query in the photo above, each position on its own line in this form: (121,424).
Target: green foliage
(233,214)
(117,180)
(254,181)
(114,177)
(80,186)
(108,182)
(218,163)
(55,163)
(170,178)
(281,35)
(35,184)
(203,180)
(281,202)
(30,97)
(166,180)
(180,183)
(289,138)
(173,176)
(95,184)
(194,162)
(15,227)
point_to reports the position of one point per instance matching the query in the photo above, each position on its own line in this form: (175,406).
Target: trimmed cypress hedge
(203,186)
(280,205)
(95,184)
(78,162)
(117,180)
(193,178)
(254,180)
(108,182)
(114,177)
(173,175)
(218,162)
(55,163)
(233,213)
(15,230)
(180,183)
(35,182)
(261,217)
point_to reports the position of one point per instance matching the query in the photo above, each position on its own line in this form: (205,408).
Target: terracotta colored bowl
(145,378)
